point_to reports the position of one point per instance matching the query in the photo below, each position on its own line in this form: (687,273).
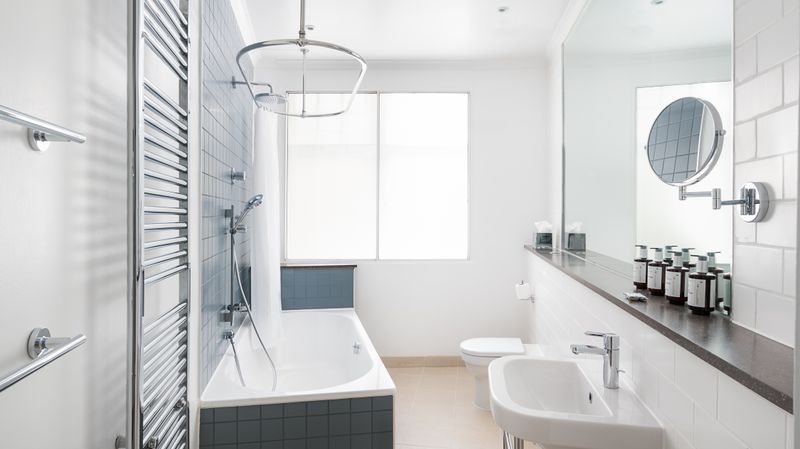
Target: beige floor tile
(450,371)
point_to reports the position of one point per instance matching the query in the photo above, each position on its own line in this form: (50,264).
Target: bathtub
(323,355)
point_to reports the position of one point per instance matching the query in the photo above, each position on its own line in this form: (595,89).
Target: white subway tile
(791,81)
(744,135)
(744,305)
(709,434)
(779,42)
(646,380)
(790,176)
(769,171)
(780,226)
(660,353)
(758,267)
(775,317)
(790,431)
(744,232)
(759,95)
(754,420)
(673,438)
(676,406)
(746,60)
(754,16)
(698,379)
(790,5)
(777,132)
(790,273)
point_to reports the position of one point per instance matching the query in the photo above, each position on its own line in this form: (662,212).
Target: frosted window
(332,180)
(423,176)
(350,196)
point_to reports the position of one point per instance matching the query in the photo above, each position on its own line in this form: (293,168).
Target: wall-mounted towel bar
(43,349)
(40,132)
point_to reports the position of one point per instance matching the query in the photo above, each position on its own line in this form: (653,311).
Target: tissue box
(543,240)
(576,241)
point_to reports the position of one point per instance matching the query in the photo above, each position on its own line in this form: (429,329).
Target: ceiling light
(503,9)
(656,2)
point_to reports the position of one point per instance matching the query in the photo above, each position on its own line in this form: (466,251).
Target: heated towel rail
(158,157)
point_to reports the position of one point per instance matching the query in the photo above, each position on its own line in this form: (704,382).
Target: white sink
(555,404)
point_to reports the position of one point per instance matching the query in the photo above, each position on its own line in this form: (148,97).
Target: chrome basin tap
(610,353)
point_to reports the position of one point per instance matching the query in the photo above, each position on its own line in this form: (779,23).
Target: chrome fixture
(610,353)
(158,225)
(704,144)
(753,202)
(512,442)
(254,202)
(228,335)
(304,45)
(263,99)
(43,349)
(238,176)
(40,132)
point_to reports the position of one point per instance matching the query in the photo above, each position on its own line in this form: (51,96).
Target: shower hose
(250,314)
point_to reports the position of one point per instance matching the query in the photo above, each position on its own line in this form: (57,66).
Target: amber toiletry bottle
(640,267)
(702,294)
(656,274)
(717,272)
(687,258)
(675,283)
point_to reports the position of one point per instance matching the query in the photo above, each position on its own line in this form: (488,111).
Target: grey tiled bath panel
(358,423)
(317,287)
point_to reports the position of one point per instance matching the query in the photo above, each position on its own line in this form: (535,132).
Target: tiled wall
(767,40)
(316,287)
(699,406)
(226,143)
(359,423)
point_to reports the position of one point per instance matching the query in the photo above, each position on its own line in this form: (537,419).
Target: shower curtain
(266,237)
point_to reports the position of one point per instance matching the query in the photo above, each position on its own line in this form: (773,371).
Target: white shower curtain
(266,237)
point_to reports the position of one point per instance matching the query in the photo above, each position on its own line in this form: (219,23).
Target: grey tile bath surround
(317,286)
(757,362)
(357,423)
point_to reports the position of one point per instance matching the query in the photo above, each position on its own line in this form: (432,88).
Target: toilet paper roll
(523,290)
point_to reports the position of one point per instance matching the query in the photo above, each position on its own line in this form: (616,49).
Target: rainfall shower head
(269,99)
(254,202)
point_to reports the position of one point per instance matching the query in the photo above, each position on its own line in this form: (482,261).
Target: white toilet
(478,353)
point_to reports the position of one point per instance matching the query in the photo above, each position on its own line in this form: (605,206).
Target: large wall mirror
(636,66)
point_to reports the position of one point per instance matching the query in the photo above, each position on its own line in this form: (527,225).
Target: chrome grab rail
(43,349)
(40,132)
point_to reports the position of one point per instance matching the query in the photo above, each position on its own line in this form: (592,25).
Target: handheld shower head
(254,202)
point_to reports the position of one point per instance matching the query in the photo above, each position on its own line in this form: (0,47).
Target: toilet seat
(492,347)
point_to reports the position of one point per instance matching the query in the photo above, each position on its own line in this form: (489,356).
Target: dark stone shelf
(757,362)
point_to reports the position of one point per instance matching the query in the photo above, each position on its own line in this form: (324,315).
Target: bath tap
(610,353)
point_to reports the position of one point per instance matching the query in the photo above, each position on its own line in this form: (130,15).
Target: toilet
(478,353)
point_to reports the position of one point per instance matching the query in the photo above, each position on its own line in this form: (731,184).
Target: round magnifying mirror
(685,141)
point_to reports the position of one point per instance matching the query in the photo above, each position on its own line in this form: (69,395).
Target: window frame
(377,258)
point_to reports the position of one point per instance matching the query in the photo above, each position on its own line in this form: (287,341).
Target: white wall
(427,308)
(63,225)
(601,148)
(699,406)
(766,76)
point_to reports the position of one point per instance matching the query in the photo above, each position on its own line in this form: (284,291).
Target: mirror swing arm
(753,202)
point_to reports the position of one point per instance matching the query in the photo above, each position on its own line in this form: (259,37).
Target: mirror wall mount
(753,200)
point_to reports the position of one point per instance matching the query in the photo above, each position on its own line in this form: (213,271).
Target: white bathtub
(316,360)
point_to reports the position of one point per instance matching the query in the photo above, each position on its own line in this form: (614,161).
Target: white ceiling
(637,27)
(420,30)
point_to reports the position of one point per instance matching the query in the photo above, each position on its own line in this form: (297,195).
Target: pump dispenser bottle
(656,274)
(640,267)
(687,258)
(717,272)
(668,249)
(702,295)
(675,283)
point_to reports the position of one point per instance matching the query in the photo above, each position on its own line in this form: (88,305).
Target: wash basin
(557,404)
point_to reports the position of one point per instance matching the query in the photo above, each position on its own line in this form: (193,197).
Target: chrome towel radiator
(158,228)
